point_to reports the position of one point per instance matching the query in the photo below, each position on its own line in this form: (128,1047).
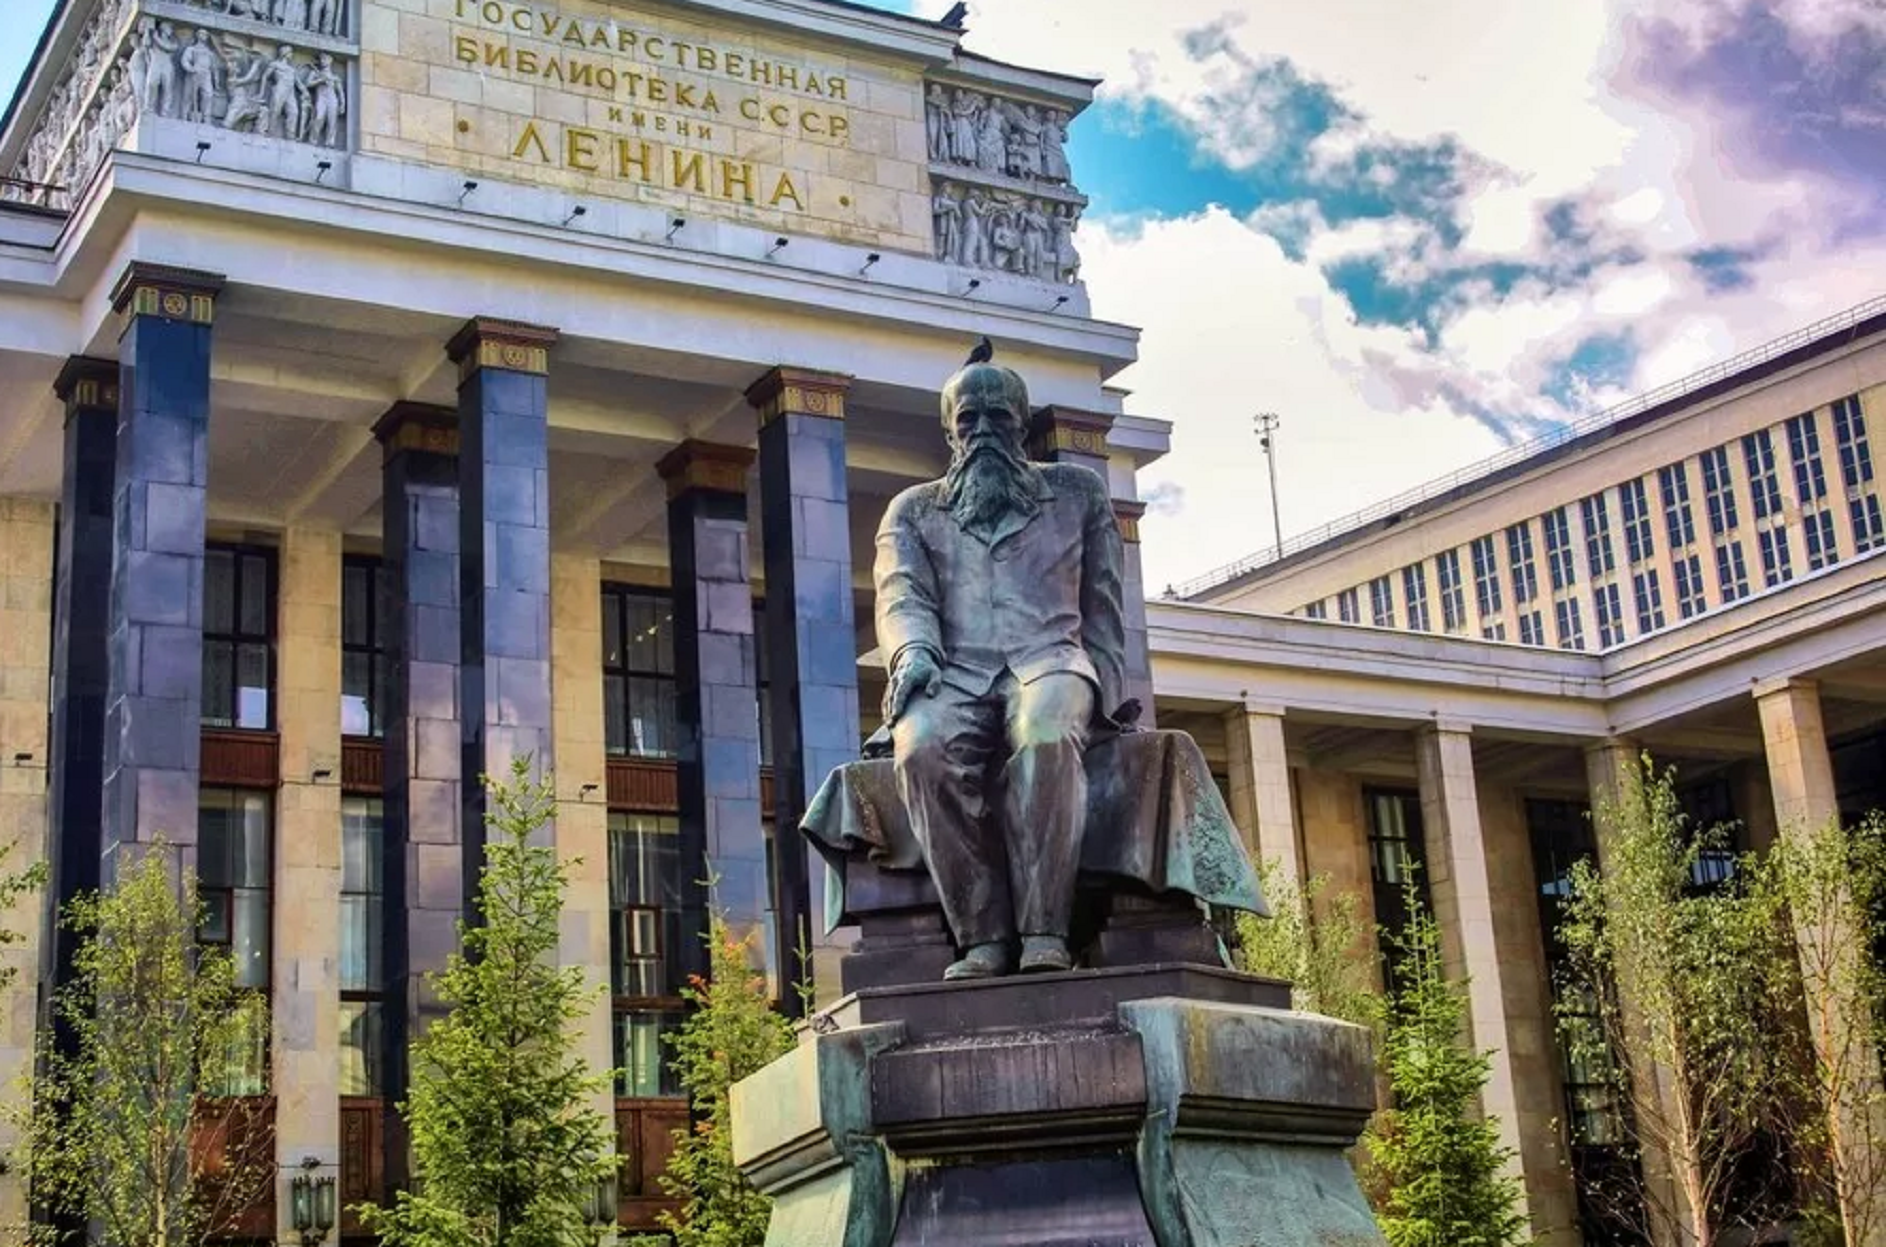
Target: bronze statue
(999,610)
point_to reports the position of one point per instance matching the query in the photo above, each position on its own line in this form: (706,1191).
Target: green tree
(119,1130)
(732,1031)
(1676,990)
(505,1148)
(1311,940)
(1438,1161)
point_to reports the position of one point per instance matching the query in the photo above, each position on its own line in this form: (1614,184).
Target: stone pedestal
(1149,1106)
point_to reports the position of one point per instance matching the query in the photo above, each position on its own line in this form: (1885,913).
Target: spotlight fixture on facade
(674,227)
(577,211)
(1060,300)
(869,260)
(23,757)
(321,169)
(467,189)
(970,289)
(779,245)
(589,788)
(321,776)
(202,149)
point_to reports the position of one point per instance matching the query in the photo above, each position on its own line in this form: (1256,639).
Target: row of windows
(235,850)
(1632,603)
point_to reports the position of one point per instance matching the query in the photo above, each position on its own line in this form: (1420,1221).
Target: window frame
(375,648)
(239,639)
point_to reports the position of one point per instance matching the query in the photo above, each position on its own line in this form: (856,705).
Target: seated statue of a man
(999,609)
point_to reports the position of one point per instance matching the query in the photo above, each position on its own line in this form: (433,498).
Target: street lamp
(600,1206)
(311,1202)
(1266,423)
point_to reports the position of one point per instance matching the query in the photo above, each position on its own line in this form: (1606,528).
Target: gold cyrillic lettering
(579,149)
(466,47)
(786,190)
(632,156)
(781,115)
(530,138)
(750,108)
(729,178)
(835,87)
(692,171)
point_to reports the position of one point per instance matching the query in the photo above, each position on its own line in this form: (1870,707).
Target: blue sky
(1422,232)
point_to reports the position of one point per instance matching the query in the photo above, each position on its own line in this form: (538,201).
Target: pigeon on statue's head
(983,352)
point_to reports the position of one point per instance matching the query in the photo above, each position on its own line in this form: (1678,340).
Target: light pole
(1266,423)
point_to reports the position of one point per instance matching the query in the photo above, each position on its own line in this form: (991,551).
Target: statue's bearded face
(989,474)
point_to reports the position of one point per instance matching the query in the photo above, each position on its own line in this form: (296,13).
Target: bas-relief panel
(1003,196)
(277,68)
(606,99)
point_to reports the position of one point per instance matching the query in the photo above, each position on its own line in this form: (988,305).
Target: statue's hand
(916,670)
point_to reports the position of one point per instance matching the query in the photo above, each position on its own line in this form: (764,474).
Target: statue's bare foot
(1041,953)
(982,961)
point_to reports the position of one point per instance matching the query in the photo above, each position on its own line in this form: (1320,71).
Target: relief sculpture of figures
(1054,166)
(324,17)
(964,112)
(999,604)
(976,227)
(284,110)
(327,92)
(937,124)
(946,213)
(991,140)
(160,84)
(200,63)
(1024,142)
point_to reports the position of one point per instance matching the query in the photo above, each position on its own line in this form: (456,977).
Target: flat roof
(1574,437)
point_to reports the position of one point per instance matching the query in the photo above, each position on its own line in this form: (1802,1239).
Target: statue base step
(1150,1106)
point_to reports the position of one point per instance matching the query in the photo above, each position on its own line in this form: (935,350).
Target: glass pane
(641,1055)
(219,684)
(249,942)
(377,708)
(356,604)
(360,943)
(356,692)
(214,928)
(643,928)
(253,678)
(362,837)
(250,865)
(615,716)
(243,1068)
(644,861)
(611,630)
(219,591)
(255,578)
(360,1047)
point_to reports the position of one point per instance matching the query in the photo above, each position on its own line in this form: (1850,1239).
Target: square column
(1068,435)
(504,561)
(154,697)
(26,560)
(716,704)
(582,797)
(423,863)
(304,1028)
(1463,907)
(1801,772)
(80,673)
(811,632)
(1260,788)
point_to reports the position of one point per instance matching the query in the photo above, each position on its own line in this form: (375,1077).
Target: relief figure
(946,213)
(327,92)
(199,62)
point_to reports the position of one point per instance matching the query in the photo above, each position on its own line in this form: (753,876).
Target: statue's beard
(987,482)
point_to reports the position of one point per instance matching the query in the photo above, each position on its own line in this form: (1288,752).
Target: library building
(390,389)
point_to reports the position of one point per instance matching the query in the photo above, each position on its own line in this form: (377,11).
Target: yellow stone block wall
(26,561)
(500,114)
(1336,844)
(582,817)
(306,1015)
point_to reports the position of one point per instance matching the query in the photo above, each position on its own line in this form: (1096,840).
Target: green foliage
(151,1017)
(1311,940)
(1677,991)
(505,1146)
(731,1032)
(1439,1161)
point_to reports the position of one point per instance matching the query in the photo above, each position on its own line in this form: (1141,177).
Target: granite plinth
(1083,1108)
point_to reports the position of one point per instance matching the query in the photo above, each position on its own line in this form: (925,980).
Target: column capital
(87,381)
(172,293)
(1446,727)
(1062,429)
(1127,513)
(705,466)
(486,342)
(1256,710)
(418,426)
(787,391)
(1769,686)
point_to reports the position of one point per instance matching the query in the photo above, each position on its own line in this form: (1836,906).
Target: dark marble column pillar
(423,853)
(80,671)
(154,697)
(504,562)
(718,765)
(1065,435)
(811,635)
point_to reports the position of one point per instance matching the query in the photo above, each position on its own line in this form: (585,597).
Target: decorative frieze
(222,63)
(1001,194)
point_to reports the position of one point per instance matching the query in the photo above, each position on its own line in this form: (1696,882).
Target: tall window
(365,618)
(1347,608)
(238,636)
(1764,483)
(1596,513)
(1486,578)
(1395,856)
(1634,502)
(234,844)
(1649,596)
(1868,531)
(1719,491)
(1382,602)
(1810,490)
(1731,571)
(1856,457)
(1414,587)
(645,928)
(1318,609)
(1531,628)
(1610,612)
(1558,549)
(1453,594)
(1673,482)
(1691,597)
(638,672)
(1777,563)
(1571,623)
(1519,558)
(1822,548)
(363,909)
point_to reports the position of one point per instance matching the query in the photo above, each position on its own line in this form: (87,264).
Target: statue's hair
(985,379)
